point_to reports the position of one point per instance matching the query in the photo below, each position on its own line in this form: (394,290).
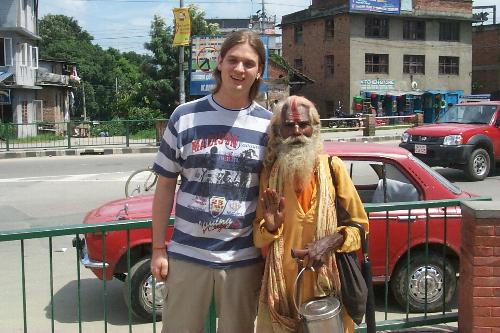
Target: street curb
(367,139)
(152,149)
(75,152)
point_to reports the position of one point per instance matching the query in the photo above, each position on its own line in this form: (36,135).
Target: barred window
(414,64)
(448,65)
(449,31)
(376,27)
(414,30)
(329,28)
(298,64)
(376,63)
(329,65)
(298,34)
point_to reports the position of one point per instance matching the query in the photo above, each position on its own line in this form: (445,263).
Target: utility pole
(182,93)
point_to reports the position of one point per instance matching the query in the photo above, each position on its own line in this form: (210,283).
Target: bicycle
(141,182)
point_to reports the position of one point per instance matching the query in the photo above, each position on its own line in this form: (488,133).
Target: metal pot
(320,315)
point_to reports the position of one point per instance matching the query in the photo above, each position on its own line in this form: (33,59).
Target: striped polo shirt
(218,153)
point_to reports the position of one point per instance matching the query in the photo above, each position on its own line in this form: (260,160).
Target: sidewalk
(352,136)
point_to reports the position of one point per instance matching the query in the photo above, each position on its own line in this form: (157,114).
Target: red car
(466,137)
(406,179)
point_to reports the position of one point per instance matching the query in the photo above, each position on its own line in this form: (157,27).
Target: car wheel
(478,166)
(141,285)
(436,275)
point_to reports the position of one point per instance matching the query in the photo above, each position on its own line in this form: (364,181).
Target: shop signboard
(381,6)
(377,85)
(5,97)
(203,61)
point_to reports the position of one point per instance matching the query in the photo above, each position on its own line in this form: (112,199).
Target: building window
(298,33)
(414,64)
(449,31)
(448,65)
(376,63)
(376,27)
(329,28)
(24,54)
(5,51)
(329,65)
(298,64)
(414,30)
(34,57)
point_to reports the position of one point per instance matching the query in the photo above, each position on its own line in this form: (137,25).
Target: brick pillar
(369,125)
(479,296)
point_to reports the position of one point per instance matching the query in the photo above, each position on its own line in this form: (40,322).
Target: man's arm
(162,208)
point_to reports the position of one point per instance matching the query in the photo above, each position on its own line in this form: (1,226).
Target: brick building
(410,56)
(485,58)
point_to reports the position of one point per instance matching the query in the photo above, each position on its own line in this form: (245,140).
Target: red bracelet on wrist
(159,247)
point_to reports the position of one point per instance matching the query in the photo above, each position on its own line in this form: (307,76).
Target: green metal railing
(127,225)
(75,134)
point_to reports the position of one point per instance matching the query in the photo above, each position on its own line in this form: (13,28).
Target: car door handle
(405,219)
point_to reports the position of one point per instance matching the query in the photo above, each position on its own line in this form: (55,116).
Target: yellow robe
(299,229)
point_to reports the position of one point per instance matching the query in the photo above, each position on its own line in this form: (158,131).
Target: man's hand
(159,265)
(273,209)
(318,251)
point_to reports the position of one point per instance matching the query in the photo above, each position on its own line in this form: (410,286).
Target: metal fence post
(7,136)
(127,134)
(68,132)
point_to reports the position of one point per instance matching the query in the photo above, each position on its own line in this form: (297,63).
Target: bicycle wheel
(140,182)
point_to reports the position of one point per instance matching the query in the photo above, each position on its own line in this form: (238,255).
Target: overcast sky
(124,24)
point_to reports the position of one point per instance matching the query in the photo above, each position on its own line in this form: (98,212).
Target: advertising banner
(5,97)
(381,6)
(203,61)
(182,27)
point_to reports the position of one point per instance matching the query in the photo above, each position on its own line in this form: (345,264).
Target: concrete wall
(8,13)
(396,47)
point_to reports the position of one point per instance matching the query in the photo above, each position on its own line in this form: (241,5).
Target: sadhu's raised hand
(273,208)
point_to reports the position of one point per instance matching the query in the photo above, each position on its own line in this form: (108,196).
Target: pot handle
(296,290)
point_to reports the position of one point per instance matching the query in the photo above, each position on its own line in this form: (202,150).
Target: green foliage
(116,82)
(113,127)
(142,119)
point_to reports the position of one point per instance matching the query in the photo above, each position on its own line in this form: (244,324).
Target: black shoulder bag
(354,291)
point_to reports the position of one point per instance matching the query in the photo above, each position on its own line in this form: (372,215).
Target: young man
(297,211)
(216,144)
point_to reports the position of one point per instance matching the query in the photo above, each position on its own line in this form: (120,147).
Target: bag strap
(340,210)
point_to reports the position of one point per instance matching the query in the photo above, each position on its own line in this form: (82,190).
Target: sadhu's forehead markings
(295,111)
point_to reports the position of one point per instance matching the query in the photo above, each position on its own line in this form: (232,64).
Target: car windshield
(454,189)
(468,114)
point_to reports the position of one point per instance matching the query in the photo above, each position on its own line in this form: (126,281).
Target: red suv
(381,173)
(466,137)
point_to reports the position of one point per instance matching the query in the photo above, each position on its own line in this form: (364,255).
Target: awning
(394,92)
(5,75)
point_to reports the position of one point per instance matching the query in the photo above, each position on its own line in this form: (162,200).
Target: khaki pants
(189,291)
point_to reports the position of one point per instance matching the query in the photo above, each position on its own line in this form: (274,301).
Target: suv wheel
(141,297)
(478,166)
(434,272)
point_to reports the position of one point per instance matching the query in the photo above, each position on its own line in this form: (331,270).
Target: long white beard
(299,156)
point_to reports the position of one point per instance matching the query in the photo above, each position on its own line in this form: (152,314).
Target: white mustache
(297,139)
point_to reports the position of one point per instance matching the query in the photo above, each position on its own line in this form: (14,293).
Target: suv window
(368,178)
(468,114)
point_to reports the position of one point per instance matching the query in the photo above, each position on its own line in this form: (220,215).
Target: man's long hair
(275,141)
(241,37)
